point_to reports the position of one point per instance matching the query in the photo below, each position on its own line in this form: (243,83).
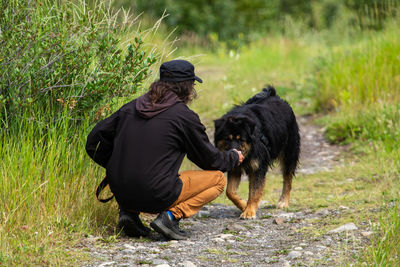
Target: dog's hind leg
(256,190)
(234,177)
(285,196)
(288,167)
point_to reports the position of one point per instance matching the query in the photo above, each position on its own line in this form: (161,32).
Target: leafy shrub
(63,55)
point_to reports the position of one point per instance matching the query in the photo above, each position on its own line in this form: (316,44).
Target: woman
(142,146)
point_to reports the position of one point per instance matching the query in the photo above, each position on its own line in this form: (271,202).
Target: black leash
(100,188)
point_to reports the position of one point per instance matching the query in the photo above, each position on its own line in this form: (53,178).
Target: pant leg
(198,189)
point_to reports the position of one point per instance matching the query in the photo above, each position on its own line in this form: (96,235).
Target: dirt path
(219,237)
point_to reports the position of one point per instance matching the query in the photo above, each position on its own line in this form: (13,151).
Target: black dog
(264,129)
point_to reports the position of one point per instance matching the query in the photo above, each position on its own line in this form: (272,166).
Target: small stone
(188,264)
(218,240)
(225,236)
(236,227)
(323,212)
(127,251)
(173,241)
(159,262)
(344,208)
(294,254)
(141,247)
(308,253)
(279,220)
(127,246)
(109,263)
(162,265)
(298,248)
(366,233)
(285,264)
(303,244)
(285,215)
(345,227)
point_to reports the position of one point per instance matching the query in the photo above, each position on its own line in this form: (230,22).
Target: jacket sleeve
(199,149)
(100,141)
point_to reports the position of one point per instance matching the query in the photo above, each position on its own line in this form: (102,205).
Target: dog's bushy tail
(265,93)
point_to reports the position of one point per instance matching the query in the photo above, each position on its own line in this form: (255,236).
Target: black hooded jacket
(142,147)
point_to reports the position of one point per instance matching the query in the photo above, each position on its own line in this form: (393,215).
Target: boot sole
(165,231)
(131,229)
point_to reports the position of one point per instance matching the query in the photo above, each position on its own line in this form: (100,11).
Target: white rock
(345,227)
(163,265)
(188,264)
(109,263)
(298,248)
(127,246)
(159,262)
(285,215)
(219,240)
(294,254)
(284,264)
(366,233)
(308,253)
(225,236)
(344,208)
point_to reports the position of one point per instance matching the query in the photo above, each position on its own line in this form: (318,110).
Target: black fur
(267,126)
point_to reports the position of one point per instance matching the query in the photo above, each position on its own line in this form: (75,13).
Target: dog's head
(234,132)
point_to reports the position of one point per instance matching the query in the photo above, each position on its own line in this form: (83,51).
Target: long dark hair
(184,90)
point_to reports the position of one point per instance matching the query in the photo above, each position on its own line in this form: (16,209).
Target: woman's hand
(241,157)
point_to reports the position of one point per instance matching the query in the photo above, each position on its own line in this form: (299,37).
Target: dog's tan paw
(282,204)
(248,214)
(242,205)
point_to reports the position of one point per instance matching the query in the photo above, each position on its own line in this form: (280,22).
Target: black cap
(178,71)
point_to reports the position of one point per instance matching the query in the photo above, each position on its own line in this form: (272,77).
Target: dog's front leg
(234,177)
(256,190)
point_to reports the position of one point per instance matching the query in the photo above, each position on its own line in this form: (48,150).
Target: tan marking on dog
(231,192)
(255,195)
(286,187)
(230,137)
(221,145)
(237,137)
(245,148)
(285,197)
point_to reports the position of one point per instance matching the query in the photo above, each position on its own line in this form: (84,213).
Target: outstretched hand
(241,157)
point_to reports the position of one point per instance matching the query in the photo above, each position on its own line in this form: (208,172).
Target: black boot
(131,224)
(168,227)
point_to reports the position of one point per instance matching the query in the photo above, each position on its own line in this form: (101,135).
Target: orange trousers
(198,189)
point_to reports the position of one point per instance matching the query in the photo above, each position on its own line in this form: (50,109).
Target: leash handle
(100,188)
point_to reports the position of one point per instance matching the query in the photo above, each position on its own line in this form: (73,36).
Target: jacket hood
(148,110)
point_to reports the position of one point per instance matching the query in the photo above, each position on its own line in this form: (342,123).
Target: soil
(219,238)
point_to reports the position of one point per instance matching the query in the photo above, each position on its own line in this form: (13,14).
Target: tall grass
(46,192)
(363,73)
(361,84)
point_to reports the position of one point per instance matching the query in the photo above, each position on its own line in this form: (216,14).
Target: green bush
(63,55)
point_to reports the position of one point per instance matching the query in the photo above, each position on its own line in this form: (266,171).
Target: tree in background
(231,19)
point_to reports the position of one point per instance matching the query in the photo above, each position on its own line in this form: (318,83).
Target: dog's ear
(219,126)
(249,125)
